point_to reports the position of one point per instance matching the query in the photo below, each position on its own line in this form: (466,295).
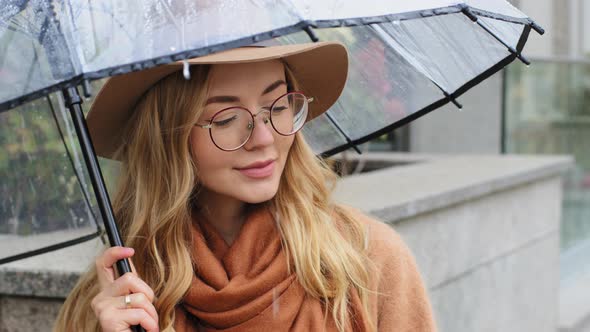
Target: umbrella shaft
(73,101)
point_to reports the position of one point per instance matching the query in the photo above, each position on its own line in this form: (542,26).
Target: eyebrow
(233,99)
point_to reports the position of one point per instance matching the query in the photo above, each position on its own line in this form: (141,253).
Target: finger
(127,284)
(137,301)
(121,320)
(104,263)
(132,267)
(141,317)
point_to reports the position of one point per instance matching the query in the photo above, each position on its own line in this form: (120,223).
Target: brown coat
(406,306)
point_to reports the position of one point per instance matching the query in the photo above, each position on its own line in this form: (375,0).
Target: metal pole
(73,101)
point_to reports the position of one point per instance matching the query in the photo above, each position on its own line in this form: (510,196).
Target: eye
(224,122)
(279,109)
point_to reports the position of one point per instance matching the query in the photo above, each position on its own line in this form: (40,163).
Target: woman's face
(253,86)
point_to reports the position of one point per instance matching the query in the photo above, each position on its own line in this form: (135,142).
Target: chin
(259,195)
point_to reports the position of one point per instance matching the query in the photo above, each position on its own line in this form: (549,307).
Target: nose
(262,133)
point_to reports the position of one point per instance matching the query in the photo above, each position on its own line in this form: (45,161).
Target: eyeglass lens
(232,127)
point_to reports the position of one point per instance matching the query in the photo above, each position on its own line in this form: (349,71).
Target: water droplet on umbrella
(396,22)
(185,70)
(172,48)
(32,187)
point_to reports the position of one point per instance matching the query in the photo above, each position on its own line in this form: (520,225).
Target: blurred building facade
(536,110)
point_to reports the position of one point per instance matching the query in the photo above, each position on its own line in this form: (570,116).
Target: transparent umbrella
(407,59)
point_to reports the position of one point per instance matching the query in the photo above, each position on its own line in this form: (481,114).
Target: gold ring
(127,301)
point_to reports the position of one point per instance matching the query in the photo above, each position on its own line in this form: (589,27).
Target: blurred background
(541,109)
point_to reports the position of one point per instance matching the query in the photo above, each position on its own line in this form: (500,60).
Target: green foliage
(39,188)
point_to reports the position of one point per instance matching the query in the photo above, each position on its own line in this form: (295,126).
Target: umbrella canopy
(48,45)
(407,59)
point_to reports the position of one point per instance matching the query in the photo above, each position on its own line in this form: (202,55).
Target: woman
(228,210)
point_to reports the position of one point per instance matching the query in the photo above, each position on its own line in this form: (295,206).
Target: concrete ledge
(452,242)
(51,275)
(437,181)
(484,231)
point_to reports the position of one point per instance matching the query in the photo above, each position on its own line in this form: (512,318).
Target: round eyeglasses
(230,128)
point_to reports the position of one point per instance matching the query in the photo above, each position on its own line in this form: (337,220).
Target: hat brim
(321,69)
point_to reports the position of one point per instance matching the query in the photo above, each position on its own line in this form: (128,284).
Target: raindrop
(275,302)
(74,217)
(34,222)
(396,22)
(32,187)
(172,48)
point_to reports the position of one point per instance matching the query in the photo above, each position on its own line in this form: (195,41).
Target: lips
(264,169)
(258,164)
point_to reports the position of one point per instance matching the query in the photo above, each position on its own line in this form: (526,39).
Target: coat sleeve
(402,304)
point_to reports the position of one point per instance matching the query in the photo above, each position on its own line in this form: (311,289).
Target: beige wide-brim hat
(320,68)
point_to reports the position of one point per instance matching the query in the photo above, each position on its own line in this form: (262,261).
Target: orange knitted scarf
(246,286)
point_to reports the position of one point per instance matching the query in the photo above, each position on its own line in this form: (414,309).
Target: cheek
(204,152)
(285,144)
(213,164)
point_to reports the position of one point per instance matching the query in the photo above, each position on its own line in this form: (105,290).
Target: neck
(225,214)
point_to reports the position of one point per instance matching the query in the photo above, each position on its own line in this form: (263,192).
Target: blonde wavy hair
(158,181)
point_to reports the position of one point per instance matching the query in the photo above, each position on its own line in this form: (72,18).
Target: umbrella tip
(537,28)
(86,89)
(311,34)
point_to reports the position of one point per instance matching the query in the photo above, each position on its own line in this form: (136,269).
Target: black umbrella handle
(73,101)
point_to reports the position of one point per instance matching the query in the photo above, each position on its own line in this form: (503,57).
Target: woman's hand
(109,304)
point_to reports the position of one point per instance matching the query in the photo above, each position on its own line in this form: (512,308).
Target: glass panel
(548,112)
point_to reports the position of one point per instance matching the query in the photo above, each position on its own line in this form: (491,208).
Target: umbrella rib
(348,139)
(50,248)
(473,17)
(314,38)
(429,108)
